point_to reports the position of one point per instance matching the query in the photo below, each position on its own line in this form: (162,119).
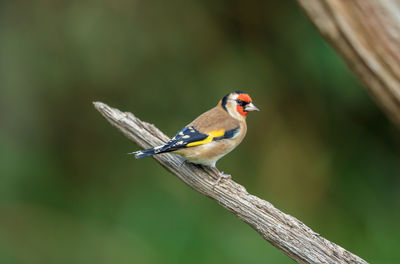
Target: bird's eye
(241,102)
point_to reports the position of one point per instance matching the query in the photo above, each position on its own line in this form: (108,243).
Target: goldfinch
(212,135)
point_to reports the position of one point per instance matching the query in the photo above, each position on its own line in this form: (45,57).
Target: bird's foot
(222,175)
(183,162)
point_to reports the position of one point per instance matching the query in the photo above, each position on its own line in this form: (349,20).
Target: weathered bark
(283,231)
(367,35)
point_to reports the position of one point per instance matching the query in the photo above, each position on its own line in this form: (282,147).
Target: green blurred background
(320,149)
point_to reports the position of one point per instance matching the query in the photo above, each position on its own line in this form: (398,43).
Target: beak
(251,107)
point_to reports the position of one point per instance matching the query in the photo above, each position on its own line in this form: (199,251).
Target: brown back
(215,119)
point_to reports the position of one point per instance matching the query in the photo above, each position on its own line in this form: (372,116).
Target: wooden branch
(367,35)
(283,231)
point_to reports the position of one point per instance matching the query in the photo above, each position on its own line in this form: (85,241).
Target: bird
(210,136)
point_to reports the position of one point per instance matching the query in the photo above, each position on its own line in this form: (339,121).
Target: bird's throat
(240,110)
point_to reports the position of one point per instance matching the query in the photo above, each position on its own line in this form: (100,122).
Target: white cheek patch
(234,112)
(231,106)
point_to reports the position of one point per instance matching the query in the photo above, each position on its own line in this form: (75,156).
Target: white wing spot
(181,133)
(180,143)
(187,136)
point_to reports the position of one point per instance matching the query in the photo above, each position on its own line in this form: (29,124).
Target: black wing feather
(187,135)
(184,137)
(228,134)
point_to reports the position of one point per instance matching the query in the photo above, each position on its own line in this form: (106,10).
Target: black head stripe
(224,101)
(240,92)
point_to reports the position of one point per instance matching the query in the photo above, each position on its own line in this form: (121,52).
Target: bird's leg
(221,175)
(183,162)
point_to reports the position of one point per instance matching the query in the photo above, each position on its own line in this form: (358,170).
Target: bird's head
(238,104)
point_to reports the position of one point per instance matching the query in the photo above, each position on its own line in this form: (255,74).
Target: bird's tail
(148,152)
(143,153)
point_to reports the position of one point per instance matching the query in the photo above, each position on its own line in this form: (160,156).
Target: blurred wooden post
(283,231)
(367,35)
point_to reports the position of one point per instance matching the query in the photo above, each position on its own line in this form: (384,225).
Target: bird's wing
(189,136)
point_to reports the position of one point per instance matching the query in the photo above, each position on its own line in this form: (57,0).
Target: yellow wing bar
(211,136)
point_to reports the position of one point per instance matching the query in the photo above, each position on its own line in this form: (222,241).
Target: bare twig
(283,231)
(367,35)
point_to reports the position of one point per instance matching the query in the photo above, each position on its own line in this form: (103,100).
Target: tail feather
(143,153)
(149,152)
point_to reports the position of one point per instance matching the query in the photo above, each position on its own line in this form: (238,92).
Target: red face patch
(241,111)
(245,98)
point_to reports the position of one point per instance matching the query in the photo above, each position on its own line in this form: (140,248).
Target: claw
(222,175)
